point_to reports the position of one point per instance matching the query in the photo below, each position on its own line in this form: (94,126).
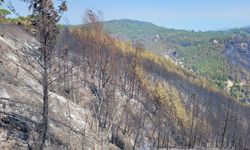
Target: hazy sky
(179,14)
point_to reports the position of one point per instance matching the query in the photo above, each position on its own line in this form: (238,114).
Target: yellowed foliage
(167,96)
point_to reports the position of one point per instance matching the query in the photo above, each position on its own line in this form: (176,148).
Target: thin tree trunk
(246,139)
(195,135)
(69,139)
(191,131)
(225,126)
(158,139)
(42,136)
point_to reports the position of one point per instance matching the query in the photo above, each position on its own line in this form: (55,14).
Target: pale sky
(179,14)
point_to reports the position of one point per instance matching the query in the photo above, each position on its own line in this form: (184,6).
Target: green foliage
(195,48)
(170,67)
(4,12)
(23,21)
(201,52)
(206,60)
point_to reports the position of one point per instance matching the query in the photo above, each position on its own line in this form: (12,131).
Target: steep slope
(21,103)
(169,95)
(213,55)
(112,94)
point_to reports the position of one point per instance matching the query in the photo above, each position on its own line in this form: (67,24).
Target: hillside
(21,102)
(219,56)
(111,95)
(124,84)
